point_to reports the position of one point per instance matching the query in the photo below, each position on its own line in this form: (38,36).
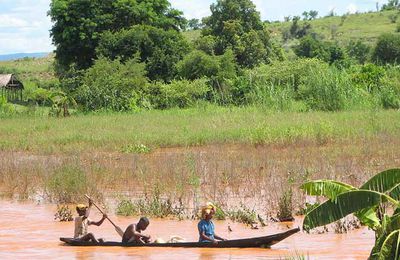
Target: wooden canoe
(257,242)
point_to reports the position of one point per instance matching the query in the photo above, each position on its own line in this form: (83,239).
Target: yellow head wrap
(81,206)
(205,210)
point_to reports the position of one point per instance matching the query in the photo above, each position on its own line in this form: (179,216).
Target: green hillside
(30,68)
(365,27)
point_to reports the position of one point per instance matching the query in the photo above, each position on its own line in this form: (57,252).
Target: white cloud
(352,8)
(27,24)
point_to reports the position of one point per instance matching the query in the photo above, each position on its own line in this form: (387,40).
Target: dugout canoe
(256,242)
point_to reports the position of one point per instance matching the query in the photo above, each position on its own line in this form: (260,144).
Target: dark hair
(144,220)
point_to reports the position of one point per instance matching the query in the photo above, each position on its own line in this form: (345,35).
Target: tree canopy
(160,49)
(236,25)
(78,24)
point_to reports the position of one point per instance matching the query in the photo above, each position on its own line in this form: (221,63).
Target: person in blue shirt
(206,226)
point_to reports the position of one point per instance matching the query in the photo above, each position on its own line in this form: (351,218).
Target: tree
(387,49)
(366,203)
(313,14)
(311,47)
(358,51)
(159,49)
(194,24)
(306,16)
(231,23)
(391,5)
(78,24)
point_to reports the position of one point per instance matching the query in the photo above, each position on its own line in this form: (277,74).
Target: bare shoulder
(130,227)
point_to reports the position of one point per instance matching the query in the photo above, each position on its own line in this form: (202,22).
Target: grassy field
(190,127)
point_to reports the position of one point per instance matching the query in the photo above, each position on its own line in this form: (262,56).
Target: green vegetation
(370,203)
(366,27)
(189,127)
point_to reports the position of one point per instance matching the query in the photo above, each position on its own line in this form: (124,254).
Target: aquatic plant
(63,214)
(243,215)
(285,206)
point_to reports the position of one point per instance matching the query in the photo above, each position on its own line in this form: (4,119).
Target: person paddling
(133,233)
(82,222)
(206,226)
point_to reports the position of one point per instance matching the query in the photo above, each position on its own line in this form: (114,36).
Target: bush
(358,50)
(387,49)
(369,75)
(179,93)
(198,64)
(310,47)
(113,85)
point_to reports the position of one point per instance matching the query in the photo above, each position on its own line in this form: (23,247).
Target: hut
(11,87)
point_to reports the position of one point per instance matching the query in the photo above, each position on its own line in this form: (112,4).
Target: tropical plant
(61,102)
(370,204)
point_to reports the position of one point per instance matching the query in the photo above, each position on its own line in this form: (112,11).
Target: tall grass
(188,127)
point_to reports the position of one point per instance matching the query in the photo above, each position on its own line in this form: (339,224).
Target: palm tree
(369,203)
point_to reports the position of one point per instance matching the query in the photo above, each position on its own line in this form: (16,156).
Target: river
(29,231)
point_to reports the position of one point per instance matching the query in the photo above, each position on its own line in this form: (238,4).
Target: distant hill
(16,56)
(363,26)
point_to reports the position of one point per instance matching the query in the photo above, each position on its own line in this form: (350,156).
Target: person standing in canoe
(82,222)
(133,233)
(206,226)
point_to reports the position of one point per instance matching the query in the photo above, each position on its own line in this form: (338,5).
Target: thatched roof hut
(9,81)
(10,87)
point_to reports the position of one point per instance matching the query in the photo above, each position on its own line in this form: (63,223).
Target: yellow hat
(81,206)
(205,210)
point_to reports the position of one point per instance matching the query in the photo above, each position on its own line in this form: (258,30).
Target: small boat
(257,242)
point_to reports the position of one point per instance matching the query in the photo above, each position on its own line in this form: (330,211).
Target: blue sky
(24,25)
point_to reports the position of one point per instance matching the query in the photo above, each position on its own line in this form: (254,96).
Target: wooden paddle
(117,228)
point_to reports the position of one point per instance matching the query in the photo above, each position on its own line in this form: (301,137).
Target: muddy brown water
(28,231)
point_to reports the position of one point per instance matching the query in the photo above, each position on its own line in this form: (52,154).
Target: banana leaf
(344,204)
(383,182)
(328,188)
(391,246)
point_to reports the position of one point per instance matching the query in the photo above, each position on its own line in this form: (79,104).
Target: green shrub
(154,207)
(359,51)
(126,208)
(179,93)
(198,64)
(387,49)
(112,85)
(243,215)
(369,75)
